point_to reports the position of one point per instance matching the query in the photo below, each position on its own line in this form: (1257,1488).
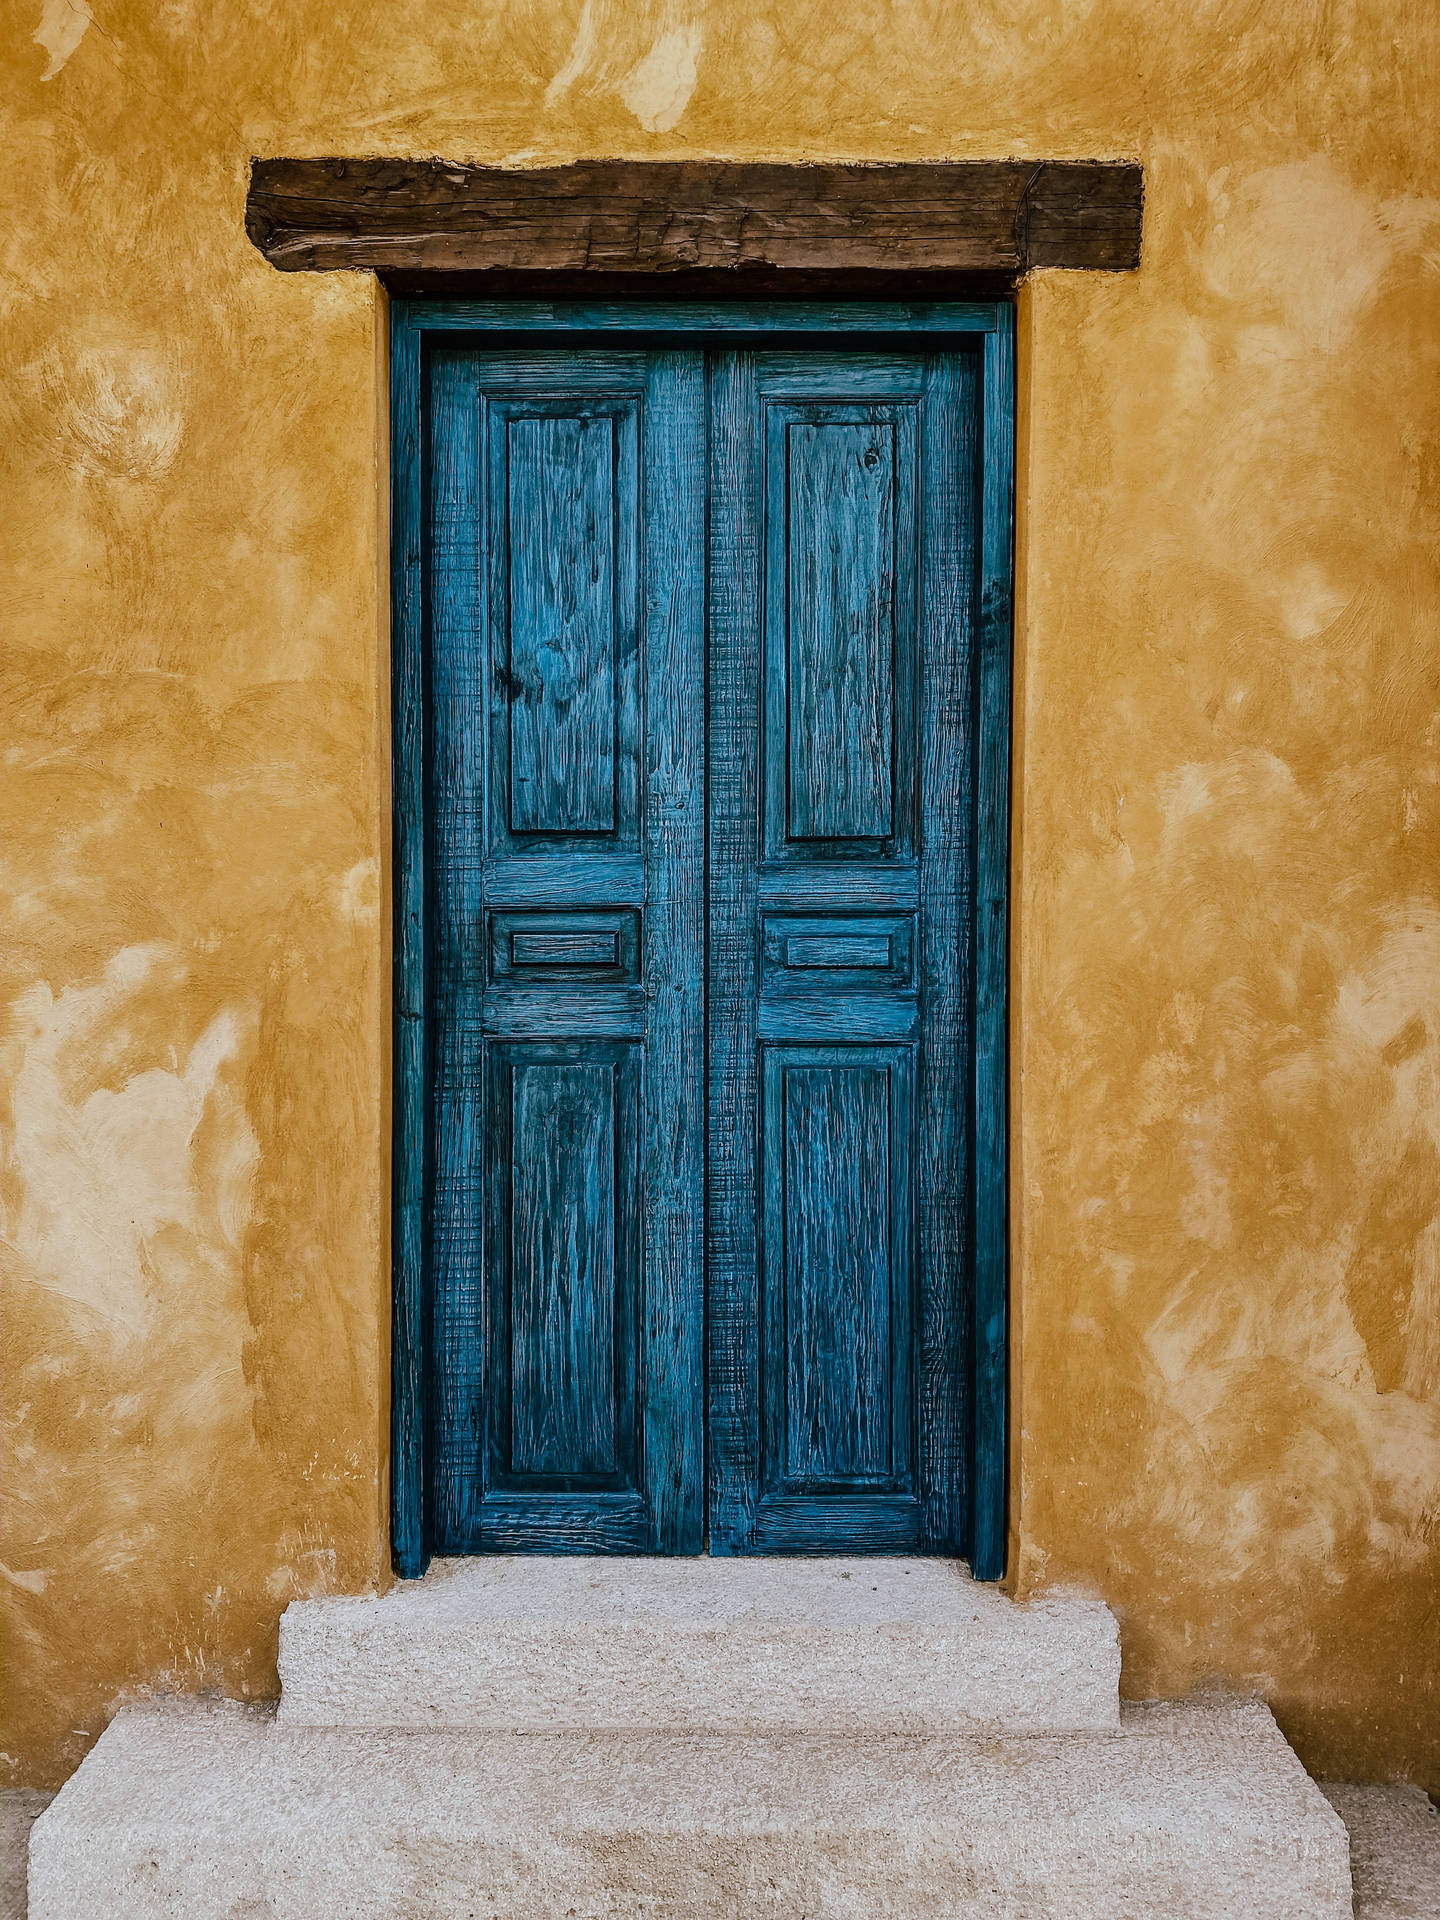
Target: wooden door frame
(990,324)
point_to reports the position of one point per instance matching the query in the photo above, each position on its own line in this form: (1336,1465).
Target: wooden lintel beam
(622,219)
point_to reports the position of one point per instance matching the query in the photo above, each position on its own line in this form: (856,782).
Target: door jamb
(994,322)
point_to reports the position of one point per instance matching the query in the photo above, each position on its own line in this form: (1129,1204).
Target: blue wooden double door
(700,726)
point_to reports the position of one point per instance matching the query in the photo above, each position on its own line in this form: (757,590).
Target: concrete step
(1394,1849)
(1195,1812)
(743,1645)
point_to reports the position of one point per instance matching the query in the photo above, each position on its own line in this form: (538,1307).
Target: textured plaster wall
(1227,925)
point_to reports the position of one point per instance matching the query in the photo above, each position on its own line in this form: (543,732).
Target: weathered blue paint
(527,947)
(409,1254)
(835,634)
(839,595)
(990,1087)
(728,320)
(845,488)
(837,1279)
(848,950)
(563,1366)
(565,998)
(561,462)
(551,894)
(567,502)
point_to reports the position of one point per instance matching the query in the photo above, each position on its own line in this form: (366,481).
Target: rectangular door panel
(559,1361)
(836,1263)
(560,523)
(839,510)
(528,948)
(841,694)
(564,1285)
(565,690)
(567,794)
(829,1268)
(840,621)
(847,949)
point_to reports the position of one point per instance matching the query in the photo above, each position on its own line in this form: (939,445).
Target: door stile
(733,1317)
(410,1116)
(990,1085)
(947,955)
(455,761)
(673,1174)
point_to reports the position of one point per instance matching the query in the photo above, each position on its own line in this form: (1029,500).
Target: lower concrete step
(745,1645)
(1195,1812)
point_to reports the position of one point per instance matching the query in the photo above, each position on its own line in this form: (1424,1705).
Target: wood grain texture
(732,1227)
(838,762)
(573,946)
(856,950)
(836,1186)
(837,952)
(824,1178)
(581,314)
(820,1015)
(602,875)
(850,1301)
(561,515)
(560,1365)
(409,1544)
(563,673)
(747,293)
(945,959)
(568,950)
(858,885)
(460,1238)
(567,1523)
(805,1523)
(577,951)
(563,1289)
(620,220)
(840,629)
(674,964)
(565,999)
(990,1095)
(540,1012)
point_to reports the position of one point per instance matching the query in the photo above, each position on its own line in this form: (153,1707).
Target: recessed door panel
(836,1269)
(564,948)
(839,743)
(840,629)
(564,1141)
(565,693)
(561,522)
(804,951)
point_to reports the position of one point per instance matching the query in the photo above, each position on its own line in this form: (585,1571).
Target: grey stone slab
(735,1645)
(1394,1850)
(1198,1812)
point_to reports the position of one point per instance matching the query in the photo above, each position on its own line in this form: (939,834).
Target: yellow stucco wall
(1227,866)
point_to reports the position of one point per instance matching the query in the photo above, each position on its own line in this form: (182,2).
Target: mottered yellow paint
(1226,971)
